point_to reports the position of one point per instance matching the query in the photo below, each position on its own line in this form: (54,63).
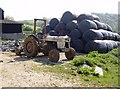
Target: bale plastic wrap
(67,17)
(99,24)
(77,45)
(95,17)
(101,34)
(48,29)
(86,25)
(109,28)
(92,34)
(82,17)
(96,45)
(53,22)
(75,34)
(71,26)
(102,46)
(60,28)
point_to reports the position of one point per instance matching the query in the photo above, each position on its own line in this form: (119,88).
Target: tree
(9,18)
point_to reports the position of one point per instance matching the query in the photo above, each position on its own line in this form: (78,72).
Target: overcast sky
(30,9)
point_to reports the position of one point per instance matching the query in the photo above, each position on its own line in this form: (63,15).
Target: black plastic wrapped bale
(104,26)
(48,29)
(109,28)
(100,34)
(53,22)
(95,17)
(74,16)
(118,43)
(86,25)
(75,34)
(99,24)
(117,36)
(66,32)
(108,35)
(111,35)
(71,26)
(67,17)
(82,17)
(105,34)
(77,45)
(111,44)
(115,44)
(60,28)
(92,34)
(53,33)
(96,45)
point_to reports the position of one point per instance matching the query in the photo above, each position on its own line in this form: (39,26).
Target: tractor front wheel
(54,55)
(70,54)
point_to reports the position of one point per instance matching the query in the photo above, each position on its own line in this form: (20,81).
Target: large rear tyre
(70,54)
(30,47)
(54,55)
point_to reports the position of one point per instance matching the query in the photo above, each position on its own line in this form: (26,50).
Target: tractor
(50,46)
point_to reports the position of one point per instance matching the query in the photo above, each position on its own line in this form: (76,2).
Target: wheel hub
(29,47)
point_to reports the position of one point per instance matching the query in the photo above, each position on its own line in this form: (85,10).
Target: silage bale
(95,17)
(104,26)
(74,17)
(67,17)
(109,28)
(82,17)
(105,34)
(99,25)
(96,45)
(53,22)
(111,35)
(110,45)
(66,32)
(118,43)
(77,45)
(85,25)
(48,29)
(71,26)
(115,44)
(75,34)
(53,33)
(92,34)
(100,34)
(117,36)
(60,28)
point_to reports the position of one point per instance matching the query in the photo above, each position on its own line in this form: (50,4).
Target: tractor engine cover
(61,40)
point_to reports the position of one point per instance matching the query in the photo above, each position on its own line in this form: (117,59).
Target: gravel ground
(17,72)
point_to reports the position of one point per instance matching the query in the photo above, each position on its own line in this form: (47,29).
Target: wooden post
(34,32)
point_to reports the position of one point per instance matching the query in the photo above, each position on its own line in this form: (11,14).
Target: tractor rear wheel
(70,54)
(54,55)
(30,47)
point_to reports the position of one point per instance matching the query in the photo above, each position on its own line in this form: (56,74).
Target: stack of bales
(87,32)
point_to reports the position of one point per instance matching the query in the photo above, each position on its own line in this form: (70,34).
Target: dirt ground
(17,72)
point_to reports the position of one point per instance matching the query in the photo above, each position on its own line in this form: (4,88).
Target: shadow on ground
(44,60)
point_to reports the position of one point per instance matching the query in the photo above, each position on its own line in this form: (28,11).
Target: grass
(108,62)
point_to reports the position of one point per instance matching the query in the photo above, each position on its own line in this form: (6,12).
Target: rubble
(1,60)
(9,45)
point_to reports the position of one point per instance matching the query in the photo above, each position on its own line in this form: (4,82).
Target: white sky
(30,9)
